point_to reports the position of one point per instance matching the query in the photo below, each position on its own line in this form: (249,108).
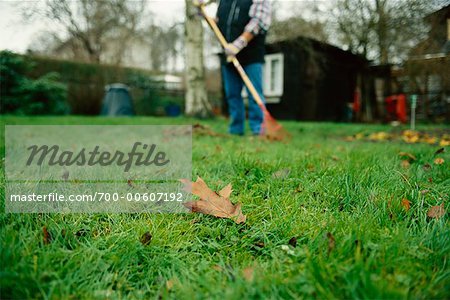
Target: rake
(270,127)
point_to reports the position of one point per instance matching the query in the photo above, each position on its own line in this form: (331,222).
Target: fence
(86,83)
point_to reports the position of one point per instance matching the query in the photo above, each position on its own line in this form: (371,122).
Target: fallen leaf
(406,204)
(169,284)
(81,232)
(174,132)
(359,136)
(411,140)
(146,238)
(436,212)
(410,136)
(260,244)
(217,268)
(439,151)
(444,142)
(257,246)
(405,164)
(281,174)
(379,136)
(200,129)
(65,175)
(299,189)
(427,167)
(226,191)
(429,140)
(439,161)
(248,273)
(409,155)
(349,138)
(212,203)
(47,237)
(293,242)
(331,242)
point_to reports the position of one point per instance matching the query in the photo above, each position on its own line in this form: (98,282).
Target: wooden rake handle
(234,60)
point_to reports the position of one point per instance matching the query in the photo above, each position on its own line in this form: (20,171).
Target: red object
(396,107)
(390,104)
(401,108)
(356,101)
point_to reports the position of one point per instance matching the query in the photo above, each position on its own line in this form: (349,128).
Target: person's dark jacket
(233,16)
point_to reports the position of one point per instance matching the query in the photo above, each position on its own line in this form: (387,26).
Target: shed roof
(439,15)
(318,46)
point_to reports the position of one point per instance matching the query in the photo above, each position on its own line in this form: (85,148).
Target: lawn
(325,220)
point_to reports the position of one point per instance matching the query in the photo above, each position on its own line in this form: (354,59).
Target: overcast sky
(16,33)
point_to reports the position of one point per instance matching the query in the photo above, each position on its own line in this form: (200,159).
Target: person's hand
(232,49)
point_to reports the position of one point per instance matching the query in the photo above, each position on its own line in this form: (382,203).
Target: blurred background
(336,60)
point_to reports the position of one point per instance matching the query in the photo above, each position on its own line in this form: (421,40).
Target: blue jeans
(233,87)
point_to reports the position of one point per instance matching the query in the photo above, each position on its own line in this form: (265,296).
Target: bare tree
(90,24)
(154,35)
(355,24)
(165,44)
(296,26)
(196,96)
(43,42)
(383,30)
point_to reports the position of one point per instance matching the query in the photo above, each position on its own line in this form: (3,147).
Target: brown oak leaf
(293,242)
(406,204)
(439,151)
(47,236)
(427,167)
(146,238)
(169,284)
(331,242)
(436,212)
(439,161)
(248,273)
(405,164)
(212,203)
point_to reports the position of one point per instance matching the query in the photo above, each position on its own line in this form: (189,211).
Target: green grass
(352,190)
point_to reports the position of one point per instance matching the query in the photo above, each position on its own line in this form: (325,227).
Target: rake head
(272,130)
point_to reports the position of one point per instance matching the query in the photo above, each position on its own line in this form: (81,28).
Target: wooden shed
(309,80)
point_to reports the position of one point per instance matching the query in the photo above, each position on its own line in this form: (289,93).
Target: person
(244,24)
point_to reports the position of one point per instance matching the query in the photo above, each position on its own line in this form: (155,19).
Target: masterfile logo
(55,156)
(96,168)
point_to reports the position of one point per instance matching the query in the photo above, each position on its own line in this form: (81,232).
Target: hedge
(86,85)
